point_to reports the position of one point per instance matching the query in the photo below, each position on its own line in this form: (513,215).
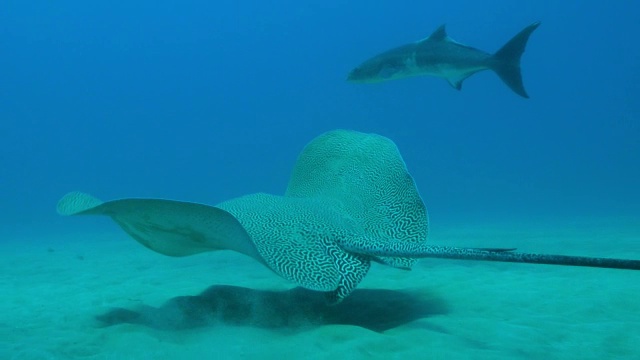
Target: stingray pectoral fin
(169,227)
(78,203)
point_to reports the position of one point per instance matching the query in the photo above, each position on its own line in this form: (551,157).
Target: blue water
(208,100)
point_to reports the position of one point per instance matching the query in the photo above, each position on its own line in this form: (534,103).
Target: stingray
(350,201)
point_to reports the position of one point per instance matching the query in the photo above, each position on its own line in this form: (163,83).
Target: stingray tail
(506,255)
(506,61)
(395,248)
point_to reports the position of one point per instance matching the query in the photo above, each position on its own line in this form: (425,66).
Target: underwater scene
(319,180)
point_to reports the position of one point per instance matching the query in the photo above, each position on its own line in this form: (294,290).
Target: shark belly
(448,71)
(450,61)
(454,70)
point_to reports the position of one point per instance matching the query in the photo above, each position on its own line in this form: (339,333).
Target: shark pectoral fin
(456,83)
(172,228)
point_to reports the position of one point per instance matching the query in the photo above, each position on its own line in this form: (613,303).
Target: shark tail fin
(506,61)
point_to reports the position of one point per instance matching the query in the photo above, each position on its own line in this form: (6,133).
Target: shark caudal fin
(506,61)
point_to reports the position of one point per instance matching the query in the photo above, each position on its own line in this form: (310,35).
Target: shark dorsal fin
(439,35)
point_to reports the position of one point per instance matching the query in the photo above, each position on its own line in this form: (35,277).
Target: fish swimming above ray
(350,201)
(441,56)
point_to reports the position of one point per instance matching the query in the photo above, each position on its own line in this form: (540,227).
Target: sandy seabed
(104,296)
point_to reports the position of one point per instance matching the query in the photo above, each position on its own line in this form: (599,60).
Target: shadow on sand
(376,310)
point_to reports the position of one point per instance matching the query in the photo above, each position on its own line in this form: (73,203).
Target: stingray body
(350,201)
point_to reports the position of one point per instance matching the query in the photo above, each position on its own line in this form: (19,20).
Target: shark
(441,56)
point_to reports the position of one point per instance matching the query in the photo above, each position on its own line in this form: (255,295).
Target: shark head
(378,69)
(362,75)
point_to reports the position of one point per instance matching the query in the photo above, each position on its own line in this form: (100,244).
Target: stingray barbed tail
(502,255)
